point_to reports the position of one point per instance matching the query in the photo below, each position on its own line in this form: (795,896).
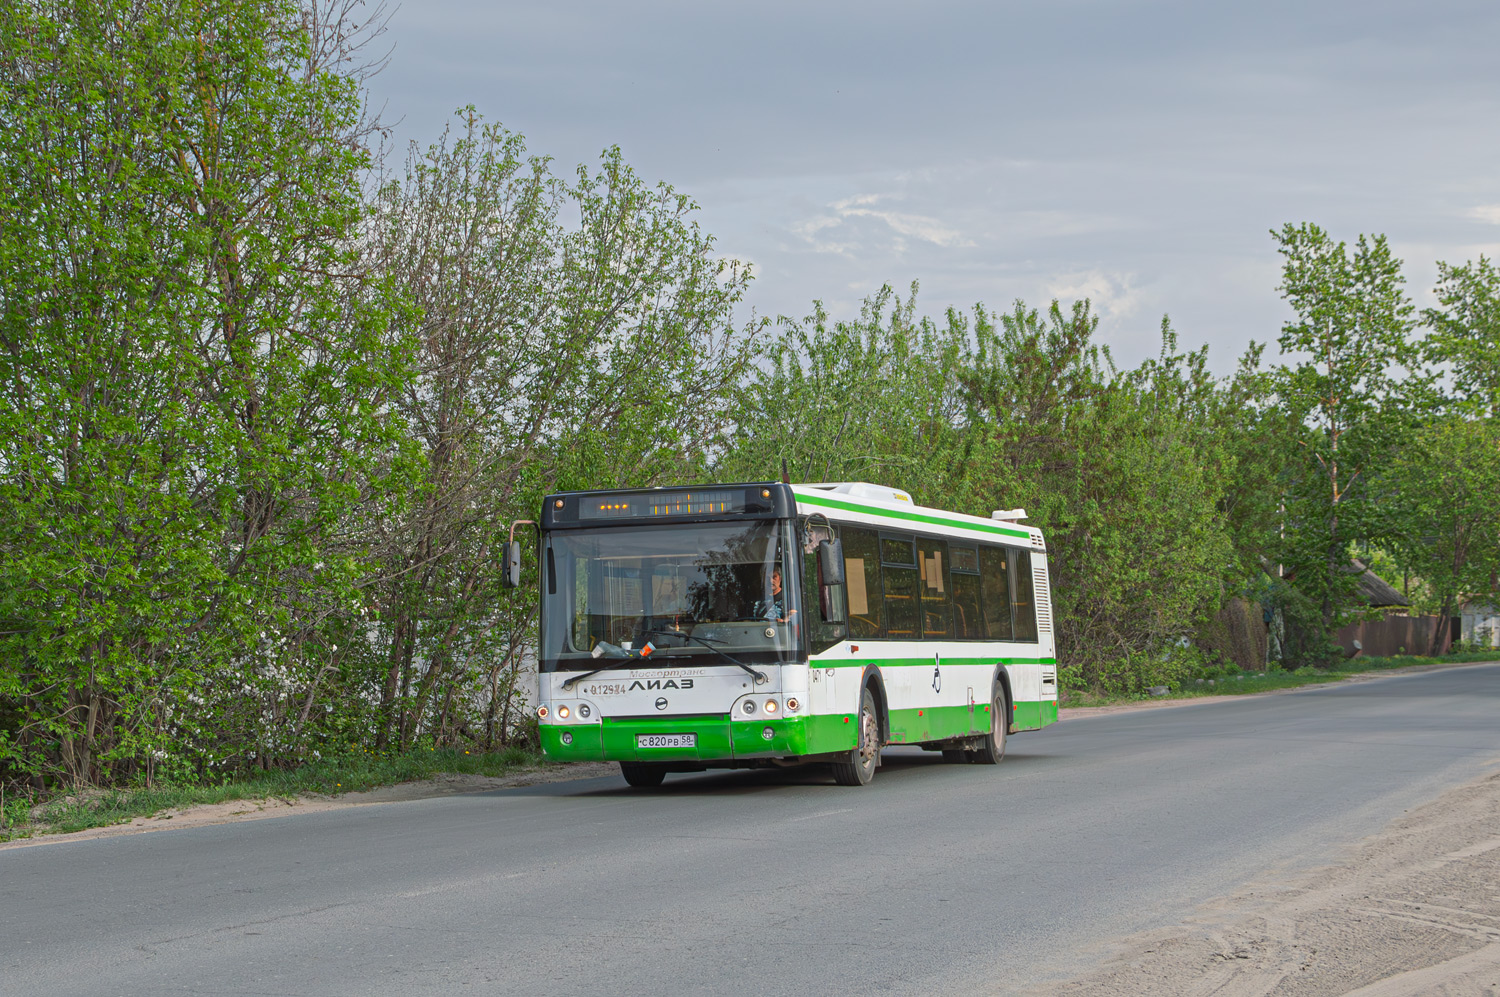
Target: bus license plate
(666,740)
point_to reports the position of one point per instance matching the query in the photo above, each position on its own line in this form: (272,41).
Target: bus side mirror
(511,575)
(831,562)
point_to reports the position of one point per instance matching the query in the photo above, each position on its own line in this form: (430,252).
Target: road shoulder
(1413,911)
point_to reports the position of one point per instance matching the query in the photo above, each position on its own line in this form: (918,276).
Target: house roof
(1373,589)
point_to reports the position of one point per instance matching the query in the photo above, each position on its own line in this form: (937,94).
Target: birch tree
(1343,349)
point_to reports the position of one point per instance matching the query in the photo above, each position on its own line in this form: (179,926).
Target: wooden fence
(1396,635)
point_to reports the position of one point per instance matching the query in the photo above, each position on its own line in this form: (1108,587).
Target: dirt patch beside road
(1413,912)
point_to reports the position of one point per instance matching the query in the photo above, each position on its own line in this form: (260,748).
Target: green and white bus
(753,625)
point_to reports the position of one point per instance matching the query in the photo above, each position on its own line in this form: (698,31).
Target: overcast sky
(1136,153)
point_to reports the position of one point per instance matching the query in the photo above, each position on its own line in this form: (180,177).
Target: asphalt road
(935,879)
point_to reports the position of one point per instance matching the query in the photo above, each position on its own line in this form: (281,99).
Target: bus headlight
(770,706)
(563,712)
(749,706)
(584,710)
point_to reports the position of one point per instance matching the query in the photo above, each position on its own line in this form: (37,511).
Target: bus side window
(932,556)
(995,583)
(963,577)
(862,580)
(1023,597)
(898,570)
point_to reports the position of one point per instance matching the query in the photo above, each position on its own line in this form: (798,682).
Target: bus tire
(643,775)
(858,768)
(992,748)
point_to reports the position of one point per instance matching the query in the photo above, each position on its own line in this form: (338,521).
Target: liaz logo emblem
(661,703)
(662,684)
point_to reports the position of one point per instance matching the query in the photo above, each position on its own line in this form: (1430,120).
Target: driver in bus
(771,609)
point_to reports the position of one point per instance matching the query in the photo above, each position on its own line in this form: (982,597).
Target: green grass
(20,818)
(1244,683)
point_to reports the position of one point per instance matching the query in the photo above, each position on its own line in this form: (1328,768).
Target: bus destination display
(649,505)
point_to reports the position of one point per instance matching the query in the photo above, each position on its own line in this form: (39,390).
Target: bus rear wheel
(643,775)
(859,767)
(992,749)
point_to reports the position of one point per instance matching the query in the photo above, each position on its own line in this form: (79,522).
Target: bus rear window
(1023,598)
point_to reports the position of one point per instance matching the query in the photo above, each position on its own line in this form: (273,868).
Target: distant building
(1479,624)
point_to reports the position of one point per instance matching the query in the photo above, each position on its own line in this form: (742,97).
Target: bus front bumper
(717,739)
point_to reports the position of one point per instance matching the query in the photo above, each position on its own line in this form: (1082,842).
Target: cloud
(858,200)
(1113,296)
(916,226)
(1486,213)
(842,220)
(809,231)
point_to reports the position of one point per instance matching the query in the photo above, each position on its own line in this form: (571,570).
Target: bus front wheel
(859,767)
(643,775)
(992,749)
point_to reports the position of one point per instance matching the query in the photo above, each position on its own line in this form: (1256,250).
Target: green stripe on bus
(1028,715)
(926,661)
(937,723)
(916,517)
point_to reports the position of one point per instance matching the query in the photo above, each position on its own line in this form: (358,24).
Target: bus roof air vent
(860,489)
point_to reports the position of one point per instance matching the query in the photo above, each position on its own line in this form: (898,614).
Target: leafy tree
(1445,490)
(870,399)
(1465,333)
(192,373)
(1125,473)
(1349,334)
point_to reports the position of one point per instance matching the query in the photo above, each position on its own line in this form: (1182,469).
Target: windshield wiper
(600,650)
(759,675)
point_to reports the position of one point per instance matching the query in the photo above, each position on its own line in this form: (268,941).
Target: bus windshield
(693,590)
